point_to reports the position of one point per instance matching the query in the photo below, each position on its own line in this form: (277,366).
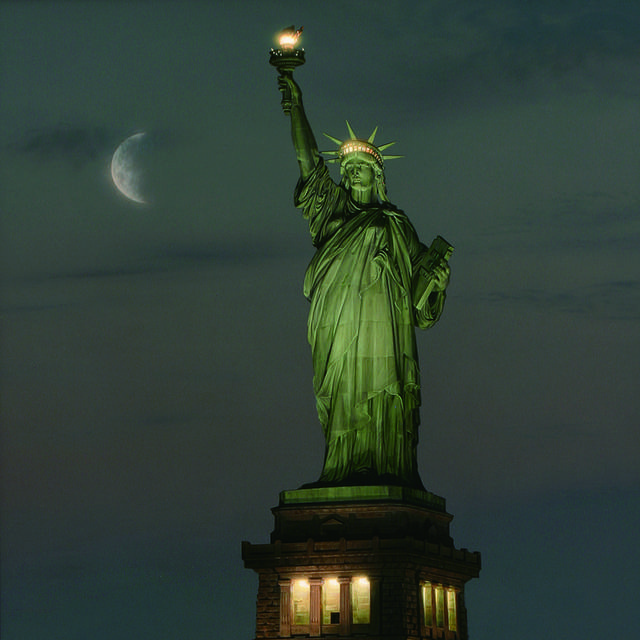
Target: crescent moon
(124,172)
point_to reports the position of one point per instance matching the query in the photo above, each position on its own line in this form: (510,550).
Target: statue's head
(361,163)
(361,172)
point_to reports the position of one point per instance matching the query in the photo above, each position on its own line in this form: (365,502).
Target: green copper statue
(370,283)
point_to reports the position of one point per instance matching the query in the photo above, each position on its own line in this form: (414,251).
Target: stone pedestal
(373,562)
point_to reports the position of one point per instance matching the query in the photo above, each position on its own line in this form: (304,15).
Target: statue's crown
(354,144)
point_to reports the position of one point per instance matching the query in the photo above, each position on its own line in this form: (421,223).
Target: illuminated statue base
(373,562)
(365,492)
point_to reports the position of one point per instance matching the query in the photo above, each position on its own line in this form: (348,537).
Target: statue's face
(359,172)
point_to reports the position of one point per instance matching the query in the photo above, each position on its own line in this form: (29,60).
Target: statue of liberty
(370,282)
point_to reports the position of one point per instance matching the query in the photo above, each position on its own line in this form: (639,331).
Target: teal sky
(156,376)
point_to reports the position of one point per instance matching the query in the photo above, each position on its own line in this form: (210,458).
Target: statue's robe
(361,331)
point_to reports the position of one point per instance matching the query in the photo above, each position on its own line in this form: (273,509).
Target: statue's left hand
(441,274)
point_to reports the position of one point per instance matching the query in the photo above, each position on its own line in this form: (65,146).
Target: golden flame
(289,38)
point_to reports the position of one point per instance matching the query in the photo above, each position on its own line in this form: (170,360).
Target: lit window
(451,610)
(427,605)
(361,600)
(439,606)
(331,601)
(300,600)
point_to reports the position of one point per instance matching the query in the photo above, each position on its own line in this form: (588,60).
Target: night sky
(156,379)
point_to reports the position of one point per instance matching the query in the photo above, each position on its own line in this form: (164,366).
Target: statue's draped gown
(361,331)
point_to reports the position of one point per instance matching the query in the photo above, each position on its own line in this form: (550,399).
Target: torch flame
(289,37)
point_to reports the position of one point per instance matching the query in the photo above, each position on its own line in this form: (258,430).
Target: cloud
(576,221)
(517,39)
(616,300)
(160,258)
(79,144)
(458,54)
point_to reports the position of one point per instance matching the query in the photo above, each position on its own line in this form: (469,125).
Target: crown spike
(358,145)
(338,142)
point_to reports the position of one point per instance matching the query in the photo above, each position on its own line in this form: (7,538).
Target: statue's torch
(286,59)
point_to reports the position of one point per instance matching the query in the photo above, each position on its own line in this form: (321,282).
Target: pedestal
(373,562)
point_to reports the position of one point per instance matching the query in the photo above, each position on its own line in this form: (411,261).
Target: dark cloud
(519,38)
(619,300)
(473,53)
(79,144)
(166,258)
(592,221)
(75,143)
(245,252)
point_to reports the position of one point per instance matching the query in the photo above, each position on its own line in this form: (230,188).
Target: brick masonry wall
(268,606)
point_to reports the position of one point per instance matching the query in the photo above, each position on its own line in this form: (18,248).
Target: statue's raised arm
(303,139)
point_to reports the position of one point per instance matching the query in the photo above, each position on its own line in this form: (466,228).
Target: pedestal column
(315,608)
(345,606)
(285,607)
